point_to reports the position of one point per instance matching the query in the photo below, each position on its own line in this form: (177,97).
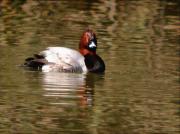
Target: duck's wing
(63,60)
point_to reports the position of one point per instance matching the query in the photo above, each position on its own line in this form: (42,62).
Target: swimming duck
(61,59)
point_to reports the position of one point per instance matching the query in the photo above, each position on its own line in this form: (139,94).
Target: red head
(88,43)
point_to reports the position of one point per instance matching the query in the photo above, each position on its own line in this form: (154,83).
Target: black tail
(35,63)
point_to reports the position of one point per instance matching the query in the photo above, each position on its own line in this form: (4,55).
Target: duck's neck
(86,51)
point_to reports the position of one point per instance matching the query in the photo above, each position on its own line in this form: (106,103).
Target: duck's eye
(93,39)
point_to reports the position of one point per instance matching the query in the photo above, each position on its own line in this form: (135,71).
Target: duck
(62,59)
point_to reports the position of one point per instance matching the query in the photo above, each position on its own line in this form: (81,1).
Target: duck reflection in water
(69,88)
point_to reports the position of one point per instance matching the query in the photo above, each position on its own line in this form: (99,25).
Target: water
(139,92)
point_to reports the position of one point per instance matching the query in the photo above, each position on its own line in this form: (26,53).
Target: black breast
(94,63)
